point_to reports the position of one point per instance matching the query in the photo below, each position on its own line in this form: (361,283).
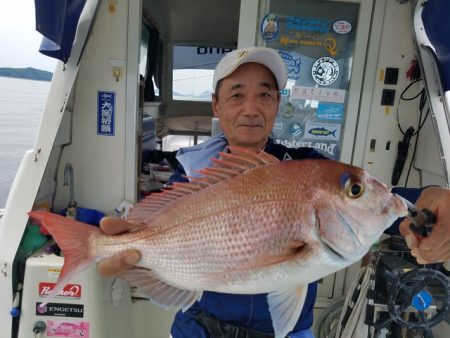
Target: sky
(19,40)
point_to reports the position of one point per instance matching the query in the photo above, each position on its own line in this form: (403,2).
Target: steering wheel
(416,291)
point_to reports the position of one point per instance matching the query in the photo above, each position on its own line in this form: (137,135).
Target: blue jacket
(252,311)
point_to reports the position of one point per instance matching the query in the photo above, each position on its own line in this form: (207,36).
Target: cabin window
(193,69)
(150,62)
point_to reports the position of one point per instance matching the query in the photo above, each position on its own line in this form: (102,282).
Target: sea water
(21,105)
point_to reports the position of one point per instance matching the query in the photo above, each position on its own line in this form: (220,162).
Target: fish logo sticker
(292,63)
(325,71)
(269,27)
(67,329)
(330,111)
(322,131)
(295,129)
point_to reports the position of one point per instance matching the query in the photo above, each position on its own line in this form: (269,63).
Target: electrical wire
(422,103)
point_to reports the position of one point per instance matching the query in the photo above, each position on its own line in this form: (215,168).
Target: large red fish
(251,224)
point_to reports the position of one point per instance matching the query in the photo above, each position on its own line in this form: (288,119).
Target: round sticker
(325,71)
(284,92)
(269,27)
(342,27)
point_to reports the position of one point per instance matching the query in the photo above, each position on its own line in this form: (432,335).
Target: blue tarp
(436,21)
(57,21)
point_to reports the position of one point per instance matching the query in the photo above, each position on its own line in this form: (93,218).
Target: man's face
(246,105)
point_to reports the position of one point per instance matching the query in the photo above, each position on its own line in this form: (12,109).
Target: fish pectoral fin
(159,292)
(285,307)
(292,251)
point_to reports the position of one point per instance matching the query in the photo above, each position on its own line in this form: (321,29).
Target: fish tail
(73,238)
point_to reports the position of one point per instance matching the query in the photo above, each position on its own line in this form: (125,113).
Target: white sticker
(318,94)
(53,272)
(325,71)
(342,27)
(278,125)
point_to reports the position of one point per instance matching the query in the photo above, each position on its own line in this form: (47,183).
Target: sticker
(307,24)
(284,92)
(269,27)
(69,290)
(342,27)
(292,63)
(295,129)
(318,94)
(67,329)
(60,310)
(286,40)
(278,125)
(325,71)
(330,46)
(105,113)
(322,131)
(330,111)
(53,272)
(288,110)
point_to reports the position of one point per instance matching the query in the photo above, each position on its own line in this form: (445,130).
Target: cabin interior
(151,62)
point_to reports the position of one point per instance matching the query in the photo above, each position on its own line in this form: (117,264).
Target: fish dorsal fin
(159,292)
(230,164)
(285,307)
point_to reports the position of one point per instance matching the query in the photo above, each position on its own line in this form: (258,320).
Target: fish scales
(218,235)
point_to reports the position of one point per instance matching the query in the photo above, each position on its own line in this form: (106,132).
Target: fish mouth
(395,205)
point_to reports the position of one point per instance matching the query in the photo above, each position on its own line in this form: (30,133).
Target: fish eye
(353,189)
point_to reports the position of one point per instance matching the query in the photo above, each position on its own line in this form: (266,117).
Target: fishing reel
(417,298)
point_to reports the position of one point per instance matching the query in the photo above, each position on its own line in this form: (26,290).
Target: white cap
(265,56)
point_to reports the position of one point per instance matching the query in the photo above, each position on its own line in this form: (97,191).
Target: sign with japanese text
(106,109)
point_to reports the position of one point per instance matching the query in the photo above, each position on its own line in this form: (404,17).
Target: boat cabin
(367,85)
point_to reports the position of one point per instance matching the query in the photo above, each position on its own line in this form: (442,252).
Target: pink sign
(67,329)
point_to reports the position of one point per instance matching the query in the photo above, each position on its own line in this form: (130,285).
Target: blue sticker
(284,92)
(269,27)
(292,63)
(295,129)
(307,24)
(330,111)
(422,300)
(322,131)
(106,104)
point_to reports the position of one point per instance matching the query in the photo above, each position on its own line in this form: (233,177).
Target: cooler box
(89,306)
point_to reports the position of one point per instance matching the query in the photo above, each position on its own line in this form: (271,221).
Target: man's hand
(117,264)
(436,247)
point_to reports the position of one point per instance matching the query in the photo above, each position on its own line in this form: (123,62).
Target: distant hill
(26,73)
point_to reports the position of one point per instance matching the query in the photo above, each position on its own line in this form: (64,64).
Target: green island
(26,73)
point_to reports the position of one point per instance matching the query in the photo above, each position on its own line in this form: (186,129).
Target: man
(246,98)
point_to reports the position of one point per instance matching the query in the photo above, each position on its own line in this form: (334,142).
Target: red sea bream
(251,224)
